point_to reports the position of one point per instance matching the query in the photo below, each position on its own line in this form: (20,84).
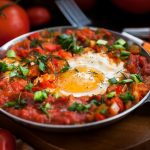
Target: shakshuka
(72,77)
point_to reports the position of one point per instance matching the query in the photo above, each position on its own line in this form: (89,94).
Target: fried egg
(88,75)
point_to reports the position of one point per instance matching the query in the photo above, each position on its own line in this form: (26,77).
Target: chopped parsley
(17,104)
(29,86)
(68,43)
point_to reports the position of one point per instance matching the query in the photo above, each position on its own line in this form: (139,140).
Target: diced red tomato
(35,36)
(133,64)
(51,47)
(23,52)
(119,103)
(64,54)
(18,85)
(99,117)
(40,50)
(119,89)
(114,109)
(145,65)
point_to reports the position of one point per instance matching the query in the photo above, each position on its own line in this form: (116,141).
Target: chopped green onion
(113,80)
(127,97)
(120,42)
(125,81)
(101,42)
(13,74)
(56,95)
(11,54)
(79,107)
(111,94)
(137,78)
(11,67)
(39,96)
(24,70)
(124,53)
(117,46)
(29,86)
(103,109)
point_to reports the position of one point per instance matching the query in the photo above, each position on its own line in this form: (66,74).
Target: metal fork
(73,13)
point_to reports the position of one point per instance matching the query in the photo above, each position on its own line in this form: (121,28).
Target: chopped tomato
(18,85)
(119,89)
(34,71)
(139,90)
(145,65)
(47,84)
(51,47)
(114,109)
(64,54)
(35,36)
(133,64)
(23,52)
(99,117)
(119,103)
(40,50)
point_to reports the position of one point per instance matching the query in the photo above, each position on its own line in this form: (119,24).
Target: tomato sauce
(29,71)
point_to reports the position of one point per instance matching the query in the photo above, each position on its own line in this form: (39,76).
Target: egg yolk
(80,79)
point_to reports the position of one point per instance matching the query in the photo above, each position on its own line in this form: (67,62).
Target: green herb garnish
(68,43)
(136,77)
(113,80)
(42,66)
(40,96)
(79,107)
(29,86)
(24,71)
(101,42)
(111,94)
(11,54)
(127,97)
(65,68)
(125,81)
(17,104)
(45,108)
(95,102)
(35,43)
(3,67)
(120,42)
(124,54)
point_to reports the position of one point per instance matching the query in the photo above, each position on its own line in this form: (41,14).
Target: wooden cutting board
(132,132)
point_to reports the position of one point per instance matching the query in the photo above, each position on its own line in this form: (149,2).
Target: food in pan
(74,77)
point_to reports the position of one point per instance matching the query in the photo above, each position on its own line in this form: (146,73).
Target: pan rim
(85,125)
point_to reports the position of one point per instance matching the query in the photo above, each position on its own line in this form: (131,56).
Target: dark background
(103,14)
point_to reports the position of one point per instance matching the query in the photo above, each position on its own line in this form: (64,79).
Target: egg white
(99,62)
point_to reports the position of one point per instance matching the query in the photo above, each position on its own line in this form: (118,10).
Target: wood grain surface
(132,132)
